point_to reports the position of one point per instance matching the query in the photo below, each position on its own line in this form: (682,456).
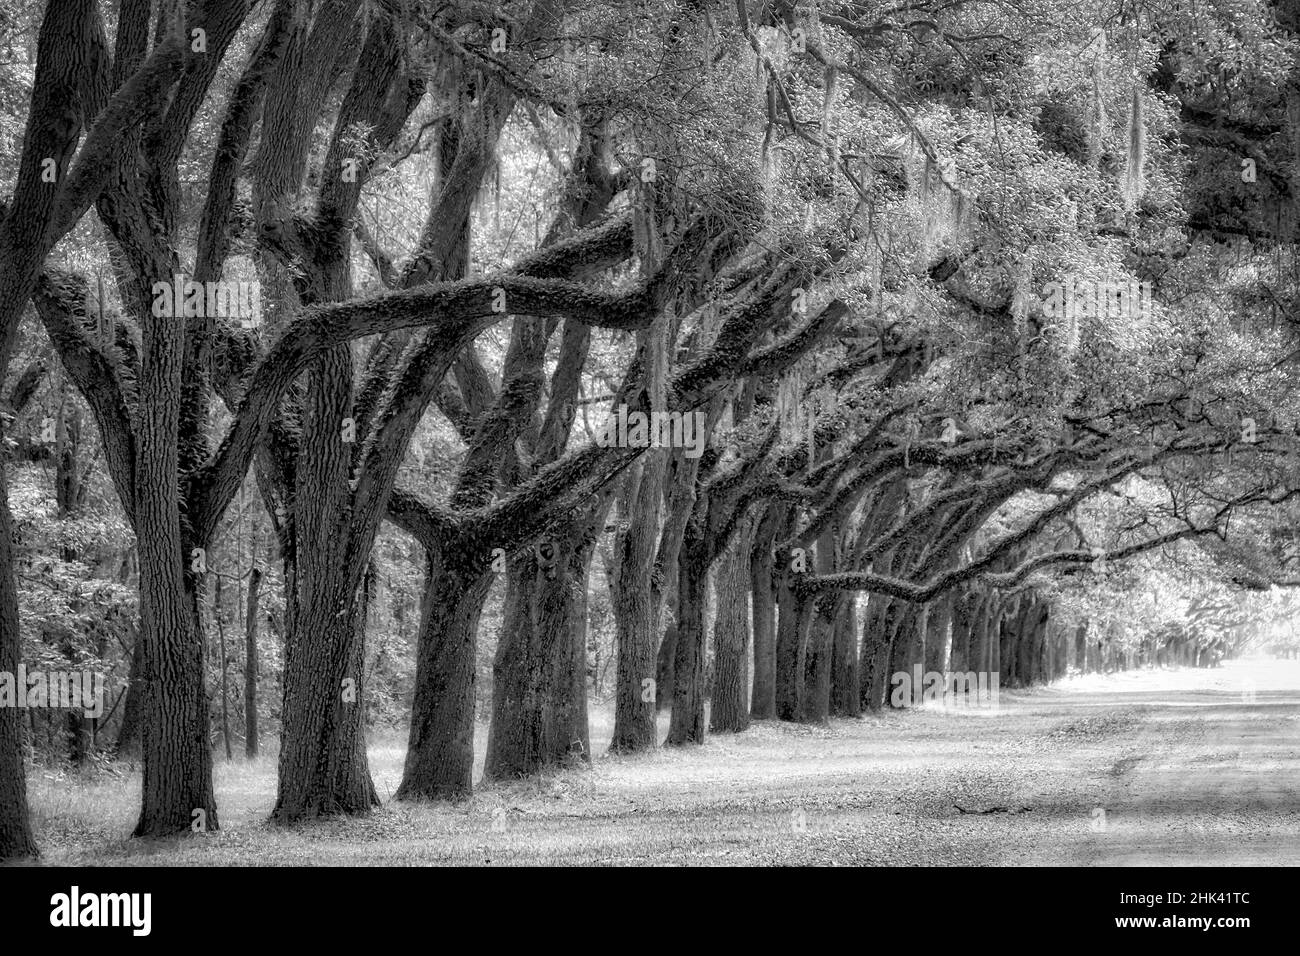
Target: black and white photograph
(623,433)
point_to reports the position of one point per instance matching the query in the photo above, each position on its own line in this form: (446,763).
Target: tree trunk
(177,755)
(791,643)
(846,696)
(69,499)
(218,620)
(997,619)
(539,715)
(175,749)
(763,699)
(16,838)
(680,494)
(637,693)
(1006,643)
(323,770)
(665,660)
(815,702)
(937,621)
(729,709)
(964,608)
(570,722)
(440,751)
(687,725)
(1024,635)
(250,664)
(876,626)
(981,650)
(904,651)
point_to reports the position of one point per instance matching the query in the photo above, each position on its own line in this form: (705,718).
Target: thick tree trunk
(539,714)
(440,751)
(637,692)
(729,708)
(687,725)
(815,703)
(680,493)
(876,627)
(175,748)
(323,769)
(904,651)
(16,838)
(177,756)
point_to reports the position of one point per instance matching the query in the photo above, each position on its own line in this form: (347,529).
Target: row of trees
(823,229)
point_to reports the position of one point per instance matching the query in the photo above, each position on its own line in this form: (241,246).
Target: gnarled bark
(729,707)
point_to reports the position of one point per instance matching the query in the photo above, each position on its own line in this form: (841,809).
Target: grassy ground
(1150,767)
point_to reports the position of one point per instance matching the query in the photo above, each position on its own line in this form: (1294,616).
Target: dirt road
(1154,767)
(1211,774)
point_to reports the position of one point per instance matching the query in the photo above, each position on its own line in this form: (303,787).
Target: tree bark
(729,711)
(218,620)
(440,751)
(877,625)
(791,643)
(687,725)
(16,839)
(846,696)
(815,701)
(538,678)
(175,749)
(762,565)
(177,755)
(636,701)
(250,664)
(937,636)
(904,650)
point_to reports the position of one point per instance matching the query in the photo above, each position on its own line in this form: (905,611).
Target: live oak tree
(55,185)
